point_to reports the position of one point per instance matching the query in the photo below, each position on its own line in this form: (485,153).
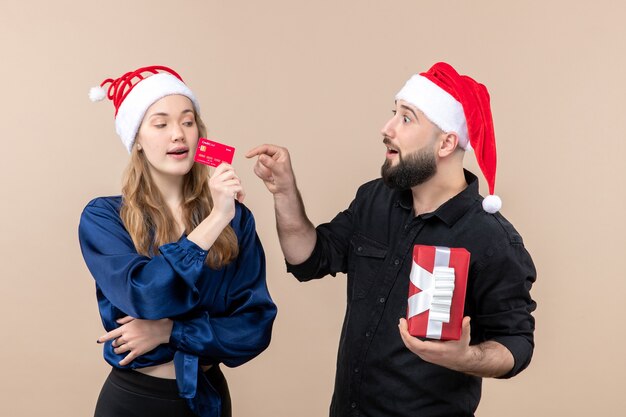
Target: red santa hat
(456,103)
(134,92)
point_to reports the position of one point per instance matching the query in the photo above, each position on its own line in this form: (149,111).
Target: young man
(424,197)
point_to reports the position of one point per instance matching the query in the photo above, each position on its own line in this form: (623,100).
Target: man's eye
(406,119)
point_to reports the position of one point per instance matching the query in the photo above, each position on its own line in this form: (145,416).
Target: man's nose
(389,128)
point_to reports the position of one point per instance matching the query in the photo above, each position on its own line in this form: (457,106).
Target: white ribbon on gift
(436,292)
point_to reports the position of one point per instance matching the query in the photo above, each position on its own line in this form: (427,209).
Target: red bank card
(213,153)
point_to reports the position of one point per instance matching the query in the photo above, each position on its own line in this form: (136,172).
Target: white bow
(436,292)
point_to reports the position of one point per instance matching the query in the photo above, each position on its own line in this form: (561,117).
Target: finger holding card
(225,185)
(225,175)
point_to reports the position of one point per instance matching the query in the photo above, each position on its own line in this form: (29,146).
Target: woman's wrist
(218,219)
(207,232)
(168,325)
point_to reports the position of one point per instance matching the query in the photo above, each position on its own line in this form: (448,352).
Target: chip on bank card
(213,153)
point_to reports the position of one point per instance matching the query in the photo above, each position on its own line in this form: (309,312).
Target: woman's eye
(406,119)
(188,124)
(160,125)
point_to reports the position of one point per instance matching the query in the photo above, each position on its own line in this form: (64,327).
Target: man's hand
(488,359)
(296,233)
(273,166)
(138,336)
(451,354)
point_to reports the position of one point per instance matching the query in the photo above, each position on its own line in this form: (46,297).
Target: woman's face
(168,136)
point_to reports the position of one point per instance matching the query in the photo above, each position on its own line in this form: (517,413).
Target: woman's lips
(179,153)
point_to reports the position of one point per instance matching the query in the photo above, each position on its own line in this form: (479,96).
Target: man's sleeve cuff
(307,269)
(520,348)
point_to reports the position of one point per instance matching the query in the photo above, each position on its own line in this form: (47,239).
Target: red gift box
(437,292)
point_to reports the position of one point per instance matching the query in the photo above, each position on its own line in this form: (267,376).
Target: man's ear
(448,144)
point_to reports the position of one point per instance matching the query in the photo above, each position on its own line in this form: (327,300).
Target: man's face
(410,139)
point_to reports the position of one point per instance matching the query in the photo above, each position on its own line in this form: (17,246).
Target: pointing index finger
(270,150)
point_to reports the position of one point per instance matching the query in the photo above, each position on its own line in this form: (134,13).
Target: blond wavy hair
(151,223)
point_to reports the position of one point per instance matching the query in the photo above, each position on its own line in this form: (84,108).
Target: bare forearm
(207,232)
(225,186)
(488,359)
(296,233)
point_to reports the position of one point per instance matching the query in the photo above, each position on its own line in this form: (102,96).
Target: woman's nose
(177,134)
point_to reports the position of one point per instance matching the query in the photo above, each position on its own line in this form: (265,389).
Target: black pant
(128,393)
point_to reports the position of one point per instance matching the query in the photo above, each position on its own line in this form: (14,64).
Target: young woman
(179,269)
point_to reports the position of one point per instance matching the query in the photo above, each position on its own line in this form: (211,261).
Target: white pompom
(97,94)
(492,204)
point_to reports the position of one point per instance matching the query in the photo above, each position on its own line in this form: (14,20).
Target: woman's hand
(225,187)
(137,336)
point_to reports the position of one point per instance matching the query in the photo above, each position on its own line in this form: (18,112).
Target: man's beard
(415,169)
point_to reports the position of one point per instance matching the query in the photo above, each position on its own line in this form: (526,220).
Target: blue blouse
(219,316)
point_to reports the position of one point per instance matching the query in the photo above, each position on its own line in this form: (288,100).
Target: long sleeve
(330,254)
(243,329)
(140,286)
(220,315)
(502,303)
